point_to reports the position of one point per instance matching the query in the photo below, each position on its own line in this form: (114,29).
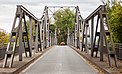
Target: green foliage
(52,28)
(28,28)
(3,39)
(64,19)
(115,22)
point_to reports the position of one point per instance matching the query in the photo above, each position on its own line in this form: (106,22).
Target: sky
(8,8)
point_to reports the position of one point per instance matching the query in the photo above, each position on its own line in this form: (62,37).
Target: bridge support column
(21,48)
(41,35)
(36,40)
(101,39)
(92,35)
(86,36)
(31,37)
(47,26)
(50,41)
(43,40)
(68,39)
(55,39)
(80,41)
(75,35)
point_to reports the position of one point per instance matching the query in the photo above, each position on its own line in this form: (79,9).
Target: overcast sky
(8,8)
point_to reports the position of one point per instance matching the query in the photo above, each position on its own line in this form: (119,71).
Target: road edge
(87,59)
(30,62)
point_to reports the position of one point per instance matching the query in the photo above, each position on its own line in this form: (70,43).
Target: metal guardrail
(118,49)
(3,51)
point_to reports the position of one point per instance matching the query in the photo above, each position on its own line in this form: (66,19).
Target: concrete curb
(91,61)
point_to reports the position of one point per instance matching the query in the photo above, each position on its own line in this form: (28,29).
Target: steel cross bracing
(27,40)
(40,37)
(99,40)
(74,37)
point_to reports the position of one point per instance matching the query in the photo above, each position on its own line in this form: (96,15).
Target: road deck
(60,60)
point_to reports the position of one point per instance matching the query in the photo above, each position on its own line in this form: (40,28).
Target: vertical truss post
(77,20)
(44,42)
(75,35)
(20,41)
(76,28)
(50,39)
(41,35)
(47,26)
(92,35)
(81,30)
(86,36)
(31,36)
(73,39)
(83,35)
(15,43)
(36,40)
(44,30)
(101,37)
(48,30)
(55,41)
(68,40)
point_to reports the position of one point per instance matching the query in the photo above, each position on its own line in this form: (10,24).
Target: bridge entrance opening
(63,22)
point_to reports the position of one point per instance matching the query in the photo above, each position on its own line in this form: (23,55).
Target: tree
(115,21)
(52,28)
(28,28)
(64,19)
(3,39)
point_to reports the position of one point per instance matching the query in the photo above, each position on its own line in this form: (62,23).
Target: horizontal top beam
(28,12)
(61,6)
(94,13)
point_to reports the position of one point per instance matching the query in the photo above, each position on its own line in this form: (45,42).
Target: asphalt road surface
(60,60)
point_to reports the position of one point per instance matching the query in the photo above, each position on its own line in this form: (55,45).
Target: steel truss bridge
(95,28)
